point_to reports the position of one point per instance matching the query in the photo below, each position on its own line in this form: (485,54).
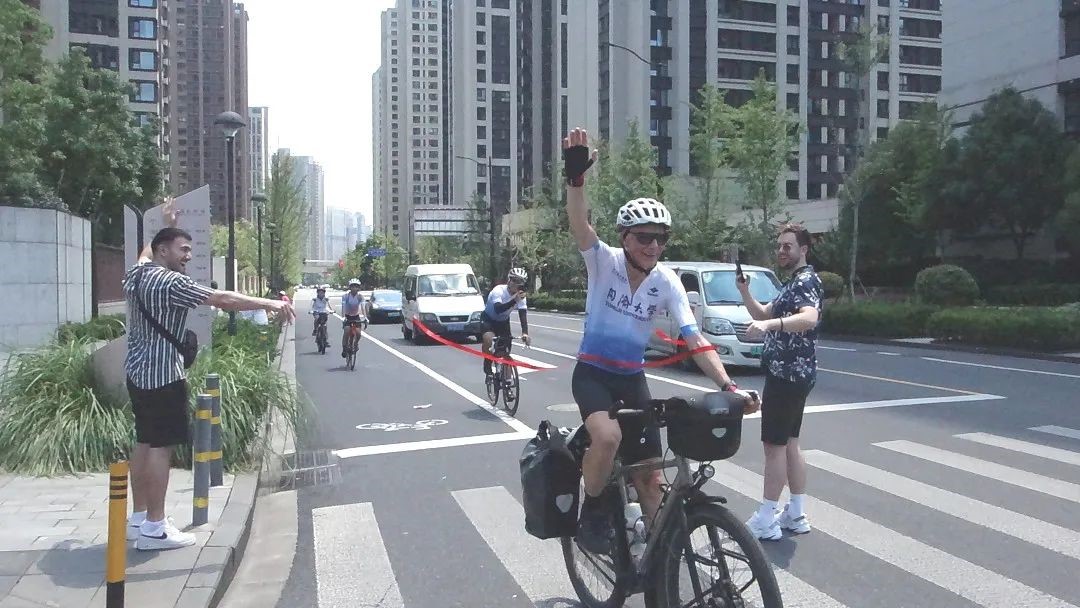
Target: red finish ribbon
(441,340)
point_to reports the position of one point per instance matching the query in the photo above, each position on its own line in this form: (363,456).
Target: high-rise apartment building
(259,156)
(127,36)
(208,39)
(309,174)
(377,134)
(387,137)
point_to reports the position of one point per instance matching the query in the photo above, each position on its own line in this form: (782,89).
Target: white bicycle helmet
(517,274)
(354,282)
(642,211)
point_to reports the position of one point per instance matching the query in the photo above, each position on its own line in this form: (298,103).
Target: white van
(445,297)
(719,310)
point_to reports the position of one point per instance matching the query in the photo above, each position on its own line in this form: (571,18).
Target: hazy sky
(311,62)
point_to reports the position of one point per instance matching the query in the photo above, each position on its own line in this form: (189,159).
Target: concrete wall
(109,268)
(45,274)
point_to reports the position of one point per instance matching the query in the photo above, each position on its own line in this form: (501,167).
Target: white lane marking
(846,350)
(512,422)
(567,317)
(968,580)
(1025,447)
(834,407)
(536,565)
(1057,430)
(1035,531)
(888,354)
(797,593)
(524,370)
(976,466)
(573,331)
(352,567)
(414,446)
(1001,367)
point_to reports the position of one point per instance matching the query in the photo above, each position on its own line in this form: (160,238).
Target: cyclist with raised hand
(352,308)
(321,308)
(496,315)
(626,288)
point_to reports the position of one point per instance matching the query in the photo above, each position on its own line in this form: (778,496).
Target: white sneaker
(795,525)
(133,529)
(166,537)
(764,530)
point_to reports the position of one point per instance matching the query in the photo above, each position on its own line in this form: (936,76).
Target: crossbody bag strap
(150,318)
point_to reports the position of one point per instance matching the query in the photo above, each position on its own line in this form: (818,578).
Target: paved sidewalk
(53,535)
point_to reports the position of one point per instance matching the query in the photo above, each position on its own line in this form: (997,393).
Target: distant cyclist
(352,307)
(496,315)
(626,290)
(321,308)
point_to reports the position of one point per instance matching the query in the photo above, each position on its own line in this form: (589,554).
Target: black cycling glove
(576,162)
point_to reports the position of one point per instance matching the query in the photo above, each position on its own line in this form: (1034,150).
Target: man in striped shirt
(156,378)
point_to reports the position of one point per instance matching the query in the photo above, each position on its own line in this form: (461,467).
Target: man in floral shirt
(789,325)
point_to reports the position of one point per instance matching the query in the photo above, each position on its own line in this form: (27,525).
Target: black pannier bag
(550,484)
(705,428)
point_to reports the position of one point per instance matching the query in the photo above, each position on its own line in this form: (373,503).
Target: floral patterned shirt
(789,355)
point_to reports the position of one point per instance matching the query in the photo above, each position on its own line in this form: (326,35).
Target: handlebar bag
(706,428)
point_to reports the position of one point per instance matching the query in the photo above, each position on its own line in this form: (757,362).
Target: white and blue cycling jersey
(498,298)
(351,305)
(618,323)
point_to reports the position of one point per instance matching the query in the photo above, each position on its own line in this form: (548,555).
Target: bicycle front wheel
(716,562)
(511,390)
(492,383)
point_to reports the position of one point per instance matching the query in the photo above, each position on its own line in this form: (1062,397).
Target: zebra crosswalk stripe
(537,565)
(1057,430)
(797,593)
(351,565)
(1024,447)
(1018,525)
(949,572)
(976,466)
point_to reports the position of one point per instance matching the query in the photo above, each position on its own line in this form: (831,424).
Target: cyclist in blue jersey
(352,308)
(496,315)
(626,289)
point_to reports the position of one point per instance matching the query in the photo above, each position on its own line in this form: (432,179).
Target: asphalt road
(938,479)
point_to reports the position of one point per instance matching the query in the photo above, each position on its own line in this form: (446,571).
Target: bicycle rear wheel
(594,577)
(718,560)
(511,390)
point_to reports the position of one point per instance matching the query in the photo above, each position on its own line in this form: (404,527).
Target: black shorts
(595,390)
(161,414)
(782,404)
(499,328)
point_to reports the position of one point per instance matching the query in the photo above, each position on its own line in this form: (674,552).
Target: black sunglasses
(644,238)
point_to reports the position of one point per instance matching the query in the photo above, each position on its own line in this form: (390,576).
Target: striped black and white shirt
(153,362)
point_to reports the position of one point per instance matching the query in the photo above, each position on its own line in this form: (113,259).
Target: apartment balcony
(660,53)
(660,83)
(660,113)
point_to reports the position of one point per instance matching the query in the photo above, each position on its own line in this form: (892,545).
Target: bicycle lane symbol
(419,425)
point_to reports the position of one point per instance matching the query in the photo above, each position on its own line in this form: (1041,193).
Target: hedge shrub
(104,327)
(1027,328)
(832,283)
(543,301)
(876,319)
(1036,294)
(946,285)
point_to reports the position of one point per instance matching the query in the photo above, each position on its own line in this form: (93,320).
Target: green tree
(860,58)
(759,140)
(1012,165)
(247,254)
(94,156)
(285,222)
(1067,221)
(624,173)
(23,36)
(439,249)
(383,271)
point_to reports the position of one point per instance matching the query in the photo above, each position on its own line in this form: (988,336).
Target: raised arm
(576,161)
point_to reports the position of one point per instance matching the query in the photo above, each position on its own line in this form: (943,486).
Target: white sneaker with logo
(133,527)
(795,525)
(764,530)
(166,536)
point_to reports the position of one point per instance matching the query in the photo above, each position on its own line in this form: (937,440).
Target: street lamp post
(259,200)
(491,215)
(230,123)
(272,227)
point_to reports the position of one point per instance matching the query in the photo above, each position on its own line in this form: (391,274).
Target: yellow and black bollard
(217,469)
(116,549)
(200,500)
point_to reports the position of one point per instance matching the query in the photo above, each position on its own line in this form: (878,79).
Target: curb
(963,348)
(230,538)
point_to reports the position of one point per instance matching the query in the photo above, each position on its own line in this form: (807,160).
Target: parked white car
(719,310)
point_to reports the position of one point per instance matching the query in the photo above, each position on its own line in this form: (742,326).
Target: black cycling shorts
(161,414)
(782,405)
(595,390)
(352,319)
(499,328)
